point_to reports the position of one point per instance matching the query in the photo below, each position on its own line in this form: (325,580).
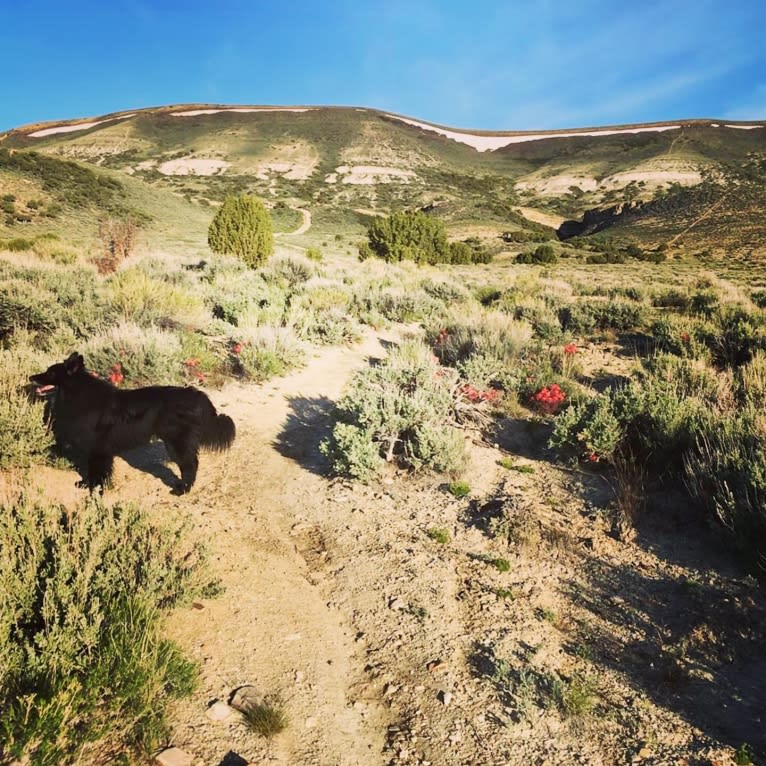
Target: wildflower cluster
(570,349)
(475,395)
(549,398)
(192,369)
(116,376)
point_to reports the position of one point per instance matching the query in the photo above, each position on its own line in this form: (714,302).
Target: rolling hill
(696,184)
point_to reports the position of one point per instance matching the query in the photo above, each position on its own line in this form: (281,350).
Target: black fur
(100,420)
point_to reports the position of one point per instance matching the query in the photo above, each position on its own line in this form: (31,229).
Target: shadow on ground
(309,422)
(692,644)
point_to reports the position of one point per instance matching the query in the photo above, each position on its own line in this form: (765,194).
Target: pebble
(219,711)
(174,756)
(245,698)
(445,697)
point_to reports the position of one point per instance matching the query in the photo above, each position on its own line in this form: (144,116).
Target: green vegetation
(266,719)
(242,227)
(398,411)
(68,182)
(439,535)
(459,489)
(417,236)
(85,668)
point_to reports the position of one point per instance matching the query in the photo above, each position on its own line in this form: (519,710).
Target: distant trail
(305,224)
(709,211)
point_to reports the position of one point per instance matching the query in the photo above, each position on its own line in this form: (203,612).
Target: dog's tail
(218,433)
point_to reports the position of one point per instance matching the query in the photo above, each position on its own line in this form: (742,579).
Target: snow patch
(73,128)
(195,112)
(490,143)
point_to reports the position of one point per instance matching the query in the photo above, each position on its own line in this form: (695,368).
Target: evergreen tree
(242,227)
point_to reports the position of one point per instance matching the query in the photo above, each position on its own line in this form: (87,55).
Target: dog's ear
(74,363)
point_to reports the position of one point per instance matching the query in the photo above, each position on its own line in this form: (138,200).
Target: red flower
(549,398)
(593,457)
(193,362)
(570,349)
(685,337)
(236,348)
(116,377)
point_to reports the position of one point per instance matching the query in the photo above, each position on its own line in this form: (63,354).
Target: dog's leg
(188,461)
(99,470)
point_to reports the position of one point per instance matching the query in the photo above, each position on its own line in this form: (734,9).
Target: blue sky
(514,65)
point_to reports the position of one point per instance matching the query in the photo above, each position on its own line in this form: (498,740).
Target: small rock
(245,698)
(219,711)
(397,603)
(174,756)
(445,698)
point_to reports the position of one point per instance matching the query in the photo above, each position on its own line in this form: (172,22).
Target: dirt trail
(273,626)
(303,228)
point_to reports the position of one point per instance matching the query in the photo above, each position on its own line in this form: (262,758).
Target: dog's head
(58,374)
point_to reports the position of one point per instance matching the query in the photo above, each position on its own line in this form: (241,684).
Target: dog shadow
(150,459)
(153,459)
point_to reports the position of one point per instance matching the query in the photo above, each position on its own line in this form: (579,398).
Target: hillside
(173,163)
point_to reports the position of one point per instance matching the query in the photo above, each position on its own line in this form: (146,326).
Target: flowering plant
(475,395)
(549,398)
(115,376)
(570,349)
(192,366)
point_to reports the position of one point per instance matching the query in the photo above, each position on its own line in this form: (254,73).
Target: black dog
(100,420)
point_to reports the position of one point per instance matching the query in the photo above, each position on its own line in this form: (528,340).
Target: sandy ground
(368,175)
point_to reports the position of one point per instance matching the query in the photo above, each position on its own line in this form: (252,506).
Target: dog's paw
(180,489)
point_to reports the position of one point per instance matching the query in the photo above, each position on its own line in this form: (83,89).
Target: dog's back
(101,420)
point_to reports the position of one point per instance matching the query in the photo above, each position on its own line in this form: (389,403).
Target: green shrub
(137,297)
(541,254)
(26,306)
(583,317)
(439,535)
(491,334)
(727,472)
(17,245)
(85,669)
(395,304)
(147,355)
(55,251)
(289,271)
(240,296)
(399,410)
(656,419)
(265,718)
(242,227)
(24,435)
(407,235)
(270,351)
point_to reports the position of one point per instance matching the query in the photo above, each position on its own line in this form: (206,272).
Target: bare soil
(386,646)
